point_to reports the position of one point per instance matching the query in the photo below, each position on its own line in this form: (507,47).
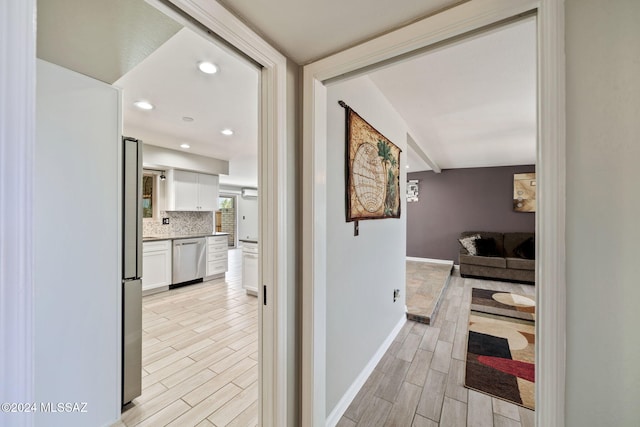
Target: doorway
(274,359)
(449,25)
(226,218)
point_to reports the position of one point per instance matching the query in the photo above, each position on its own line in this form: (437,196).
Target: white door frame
(550,218)
(17,142)
(17,119)
(272,181)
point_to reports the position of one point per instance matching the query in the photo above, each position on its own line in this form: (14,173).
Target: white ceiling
(471,104)
(306,30)
(170,80)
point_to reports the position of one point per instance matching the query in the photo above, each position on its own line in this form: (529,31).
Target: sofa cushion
(468,242)
(486,261)
(498,237)
(486,247)
(521,264)
(526,249)
(513,240)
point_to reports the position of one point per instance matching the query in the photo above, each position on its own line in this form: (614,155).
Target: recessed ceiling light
(407,166)
(143,105)
(185,146)
(226,132)
(207,67)
(187,119)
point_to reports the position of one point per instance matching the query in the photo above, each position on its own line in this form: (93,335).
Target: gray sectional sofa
(512,260)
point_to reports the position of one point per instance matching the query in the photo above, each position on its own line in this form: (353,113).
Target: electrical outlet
(165,221)
(396,294)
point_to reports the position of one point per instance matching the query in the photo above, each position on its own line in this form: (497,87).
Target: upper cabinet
(191,191)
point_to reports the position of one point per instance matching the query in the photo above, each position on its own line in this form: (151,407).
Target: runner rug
(500,358)
(503,303)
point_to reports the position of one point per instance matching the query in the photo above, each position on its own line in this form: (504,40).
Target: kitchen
(214,164)
(191,109)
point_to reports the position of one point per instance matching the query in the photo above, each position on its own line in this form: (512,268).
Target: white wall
(603,201)
(361,271)
(160,157)
(77,247)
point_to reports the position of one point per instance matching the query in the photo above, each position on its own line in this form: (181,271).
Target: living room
(466,126)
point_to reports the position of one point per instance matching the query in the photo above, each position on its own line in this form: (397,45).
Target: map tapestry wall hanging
(373,171)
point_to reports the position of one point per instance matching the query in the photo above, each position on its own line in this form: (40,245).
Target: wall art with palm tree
(372,171)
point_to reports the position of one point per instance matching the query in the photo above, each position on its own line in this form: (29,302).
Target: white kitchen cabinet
(217,256)
(250,267)
(191,191)
(156,264)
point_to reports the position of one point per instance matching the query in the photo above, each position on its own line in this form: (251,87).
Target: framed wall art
(524,192)
(372,171)
(412,190)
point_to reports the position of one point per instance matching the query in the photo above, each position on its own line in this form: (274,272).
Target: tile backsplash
(179,223)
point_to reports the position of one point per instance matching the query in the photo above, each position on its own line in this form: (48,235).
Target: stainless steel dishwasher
(189,259)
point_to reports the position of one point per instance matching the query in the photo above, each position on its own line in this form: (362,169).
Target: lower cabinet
(250,267)
(217,256)
(156,264)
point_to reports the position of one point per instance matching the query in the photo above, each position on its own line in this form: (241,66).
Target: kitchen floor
(199,355)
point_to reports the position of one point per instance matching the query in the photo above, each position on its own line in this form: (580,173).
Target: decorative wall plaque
(372,169)
(524,192)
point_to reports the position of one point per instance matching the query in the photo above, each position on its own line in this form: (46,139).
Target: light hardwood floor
(200,364)
(419,381)
(199,356)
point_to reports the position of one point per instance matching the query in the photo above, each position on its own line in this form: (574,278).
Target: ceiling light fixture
(143,105)
(207,67)
(227,132)
(185,146)
(407,166)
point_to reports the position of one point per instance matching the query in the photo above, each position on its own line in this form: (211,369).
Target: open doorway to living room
(465,117)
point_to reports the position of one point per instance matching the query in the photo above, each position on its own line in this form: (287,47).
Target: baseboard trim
(456,266)
(352,391)
(432,260)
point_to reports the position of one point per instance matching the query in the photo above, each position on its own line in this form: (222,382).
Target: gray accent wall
(456,200)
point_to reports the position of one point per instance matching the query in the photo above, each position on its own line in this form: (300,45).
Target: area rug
(425,285)
(501,358)
(503,303)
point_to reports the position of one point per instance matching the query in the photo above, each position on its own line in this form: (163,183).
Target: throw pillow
(468,243)
(526,249)
(486,247)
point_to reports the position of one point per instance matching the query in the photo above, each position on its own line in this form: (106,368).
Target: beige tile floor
(424,285)
(419,381)
(199,357)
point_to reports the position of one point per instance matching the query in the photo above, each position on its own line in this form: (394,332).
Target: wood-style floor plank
(431,392)
(200,345)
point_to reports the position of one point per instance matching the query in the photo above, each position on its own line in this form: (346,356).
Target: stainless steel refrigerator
(132,270)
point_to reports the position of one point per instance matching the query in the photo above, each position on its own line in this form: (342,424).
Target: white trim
(456,267)
(17,142)
(354,388)
(457,21)
(431,260)
(550,218)
(273,174)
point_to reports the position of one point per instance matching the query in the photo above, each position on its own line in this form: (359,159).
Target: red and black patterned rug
(501,358)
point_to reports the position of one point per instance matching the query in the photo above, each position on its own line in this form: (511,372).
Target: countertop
(179,236)
(249,240)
